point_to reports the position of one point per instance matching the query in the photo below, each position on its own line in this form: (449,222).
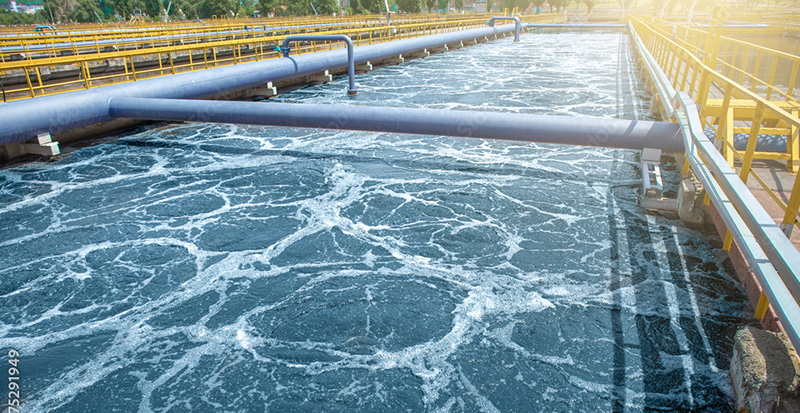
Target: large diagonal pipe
(584,131)
(351,64)
(517,24)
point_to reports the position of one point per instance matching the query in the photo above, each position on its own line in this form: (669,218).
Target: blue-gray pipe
(26,118)
(351,65)
(584,131)
(517,24)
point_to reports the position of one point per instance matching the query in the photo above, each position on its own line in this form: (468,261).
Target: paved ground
(774,174)
(778,179)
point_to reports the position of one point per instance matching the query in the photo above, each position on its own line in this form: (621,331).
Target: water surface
(199,267)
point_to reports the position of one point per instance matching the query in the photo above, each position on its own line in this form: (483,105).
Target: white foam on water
(473,224)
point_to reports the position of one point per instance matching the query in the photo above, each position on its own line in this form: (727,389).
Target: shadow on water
(424,163)
(675,354)
(616,309)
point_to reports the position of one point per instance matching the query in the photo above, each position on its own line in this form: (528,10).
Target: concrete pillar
(764,371)
(323,77)
(44,146)
(268,90)
(690,203)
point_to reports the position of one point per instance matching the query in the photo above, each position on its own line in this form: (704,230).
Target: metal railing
(689,74)
(768,252)
(29,31)
(748,63)
(40,77)
(34,46)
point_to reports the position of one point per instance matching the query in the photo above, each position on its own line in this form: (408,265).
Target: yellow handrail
(63,73)
(695,40)
(679,63)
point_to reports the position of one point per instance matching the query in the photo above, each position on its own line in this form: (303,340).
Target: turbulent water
(202,268)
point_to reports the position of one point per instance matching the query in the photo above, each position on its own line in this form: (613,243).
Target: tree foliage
(372,6)
(85,10)
(559,5)
(219,8)
(14,18)
(410,6)
(521,4)
(327,6)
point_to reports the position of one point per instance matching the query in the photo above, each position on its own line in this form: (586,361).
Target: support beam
(267,90)
(323,77)
(44,146)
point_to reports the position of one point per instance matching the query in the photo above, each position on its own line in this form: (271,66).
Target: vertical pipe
(517,24)
(351,67)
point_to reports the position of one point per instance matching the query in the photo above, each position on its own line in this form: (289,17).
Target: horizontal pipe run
(25,119)
(584,131)
(351,66)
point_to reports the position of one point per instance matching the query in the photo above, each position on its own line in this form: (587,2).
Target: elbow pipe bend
(517,24)
(351,65)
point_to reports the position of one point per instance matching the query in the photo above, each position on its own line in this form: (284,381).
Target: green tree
(85,10)
(372,6)
(558,4)
(247,10)
(13,18)
(356,7)
(521,4)
(459,4)
(59,7)
(299,7)
(410,6)
(327,6)
(182,9)
(125,7)
(153,8)
(266,7)
(430,5)
(589,5)
(219,8)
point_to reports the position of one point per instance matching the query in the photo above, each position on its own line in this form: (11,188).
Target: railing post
(790,217)
(773,69)
(747,162)
(711,52)
(793,78)
(725,128)
(793,145)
